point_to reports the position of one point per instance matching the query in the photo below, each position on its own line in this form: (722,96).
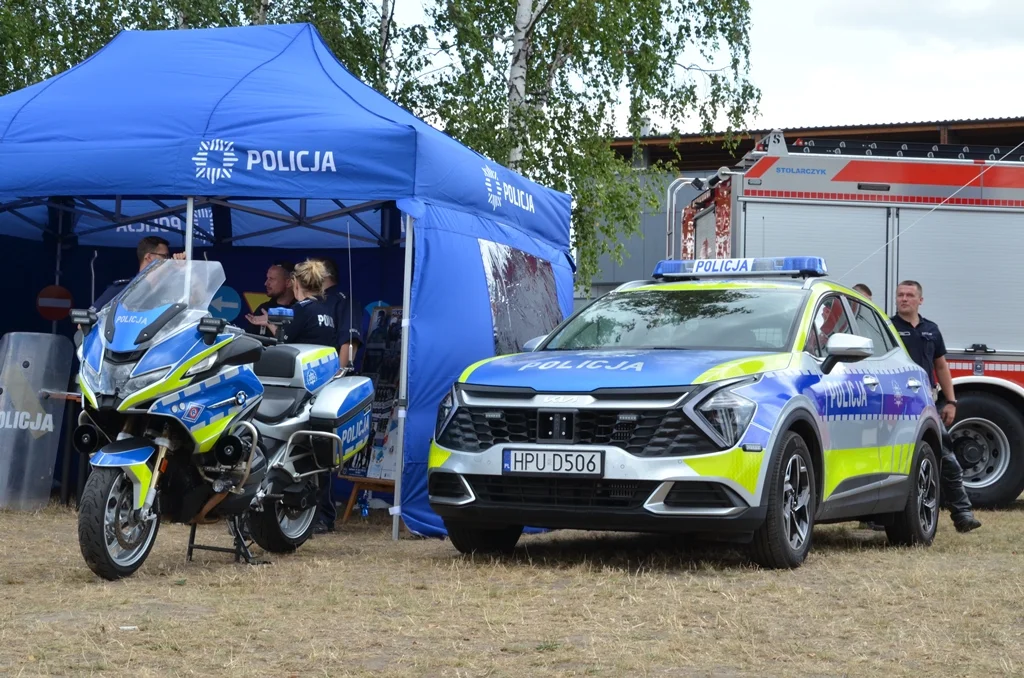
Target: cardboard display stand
(376,466)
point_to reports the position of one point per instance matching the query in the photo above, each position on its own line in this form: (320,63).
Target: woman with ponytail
(313,322)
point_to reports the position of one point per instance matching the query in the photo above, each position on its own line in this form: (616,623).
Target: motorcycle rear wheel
(105,514)
(278,529)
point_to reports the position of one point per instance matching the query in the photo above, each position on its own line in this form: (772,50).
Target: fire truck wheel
(988,440)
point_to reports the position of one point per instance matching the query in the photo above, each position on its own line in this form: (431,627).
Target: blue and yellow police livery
(189,420)
(742,397)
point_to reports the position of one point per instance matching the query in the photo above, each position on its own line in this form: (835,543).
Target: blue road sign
(227,304)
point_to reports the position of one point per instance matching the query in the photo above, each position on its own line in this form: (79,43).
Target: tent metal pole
(189,217)
(60,252)
(403,377)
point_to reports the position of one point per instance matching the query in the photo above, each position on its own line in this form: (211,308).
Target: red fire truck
(950,217)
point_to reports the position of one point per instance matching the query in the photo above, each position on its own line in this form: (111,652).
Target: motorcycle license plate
(584,463)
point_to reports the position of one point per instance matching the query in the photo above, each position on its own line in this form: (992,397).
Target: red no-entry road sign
(54,302)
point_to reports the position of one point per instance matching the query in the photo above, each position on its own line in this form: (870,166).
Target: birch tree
(543,85)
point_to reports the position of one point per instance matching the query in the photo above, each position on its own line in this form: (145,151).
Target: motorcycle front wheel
(113,540)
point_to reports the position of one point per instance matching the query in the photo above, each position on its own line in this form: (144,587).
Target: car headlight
(728,415)
(203,365)
(445,411)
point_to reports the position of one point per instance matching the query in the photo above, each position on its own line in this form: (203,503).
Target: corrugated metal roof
(865,126)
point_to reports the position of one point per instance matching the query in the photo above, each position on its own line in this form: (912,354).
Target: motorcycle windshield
(165,298)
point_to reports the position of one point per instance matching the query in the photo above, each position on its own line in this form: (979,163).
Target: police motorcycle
(189,420)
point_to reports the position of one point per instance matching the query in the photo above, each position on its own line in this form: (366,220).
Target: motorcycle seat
(277,361)
(280,403)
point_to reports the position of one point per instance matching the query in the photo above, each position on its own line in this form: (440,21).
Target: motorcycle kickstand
(241,548)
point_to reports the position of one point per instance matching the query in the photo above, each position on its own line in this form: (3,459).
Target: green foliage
(539,85)
(42,38)
(543,94)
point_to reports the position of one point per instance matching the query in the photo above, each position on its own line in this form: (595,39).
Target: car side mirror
(846,348)
(532,344)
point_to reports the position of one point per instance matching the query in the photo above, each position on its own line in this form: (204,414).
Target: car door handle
(870,381)
(914,384)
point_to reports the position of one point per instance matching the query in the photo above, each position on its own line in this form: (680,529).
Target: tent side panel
(463,267)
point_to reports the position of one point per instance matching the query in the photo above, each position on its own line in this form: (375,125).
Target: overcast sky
(824,62)
(840,62)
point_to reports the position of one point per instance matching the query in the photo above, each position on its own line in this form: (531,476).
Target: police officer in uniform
(313,319)
(926,347)
(279,289)
(312,323)
(148,250)
(348,316)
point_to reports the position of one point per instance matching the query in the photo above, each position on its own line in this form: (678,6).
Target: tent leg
(189,225)
(189,218)
(403,377)
(60,253)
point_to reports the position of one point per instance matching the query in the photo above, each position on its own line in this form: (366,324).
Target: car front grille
(561,492)
(643,433)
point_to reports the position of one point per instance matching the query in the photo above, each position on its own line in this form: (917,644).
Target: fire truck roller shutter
(968,262)
(704,232)
(844,235)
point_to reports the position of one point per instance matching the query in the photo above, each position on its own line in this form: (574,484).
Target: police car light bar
(796,267)
(279,315)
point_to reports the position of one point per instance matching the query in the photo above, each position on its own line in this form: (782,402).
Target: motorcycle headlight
(203,365)
(444,412)
(90,376)
(728,415)
(140,382)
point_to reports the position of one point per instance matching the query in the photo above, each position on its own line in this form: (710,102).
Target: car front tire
(469,538)
(784,539)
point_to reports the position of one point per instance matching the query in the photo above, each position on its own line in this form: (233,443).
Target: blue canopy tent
(258,136)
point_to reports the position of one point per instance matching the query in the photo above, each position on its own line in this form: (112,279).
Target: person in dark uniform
(313,319)
(926,348)
(149,249)
(348,316)
(312,323)
(279,288)
(863,289)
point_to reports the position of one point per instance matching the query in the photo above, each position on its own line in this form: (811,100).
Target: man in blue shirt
(926,348)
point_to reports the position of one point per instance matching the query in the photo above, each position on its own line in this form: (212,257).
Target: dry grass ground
(569,604)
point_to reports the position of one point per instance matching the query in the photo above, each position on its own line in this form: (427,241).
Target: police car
(746,398)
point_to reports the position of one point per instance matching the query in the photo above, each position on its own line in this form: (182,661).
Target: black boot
(951,478)
(965,522)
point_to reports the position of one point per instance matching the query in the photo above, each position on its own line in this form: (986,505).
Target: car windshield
(744,319)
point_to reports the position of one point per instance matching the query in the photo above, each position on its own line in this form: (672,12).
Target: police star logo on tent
(493,187)
(214,160)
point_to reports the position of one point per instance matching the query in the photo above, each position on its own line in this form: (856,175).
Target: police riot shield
(30,423)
